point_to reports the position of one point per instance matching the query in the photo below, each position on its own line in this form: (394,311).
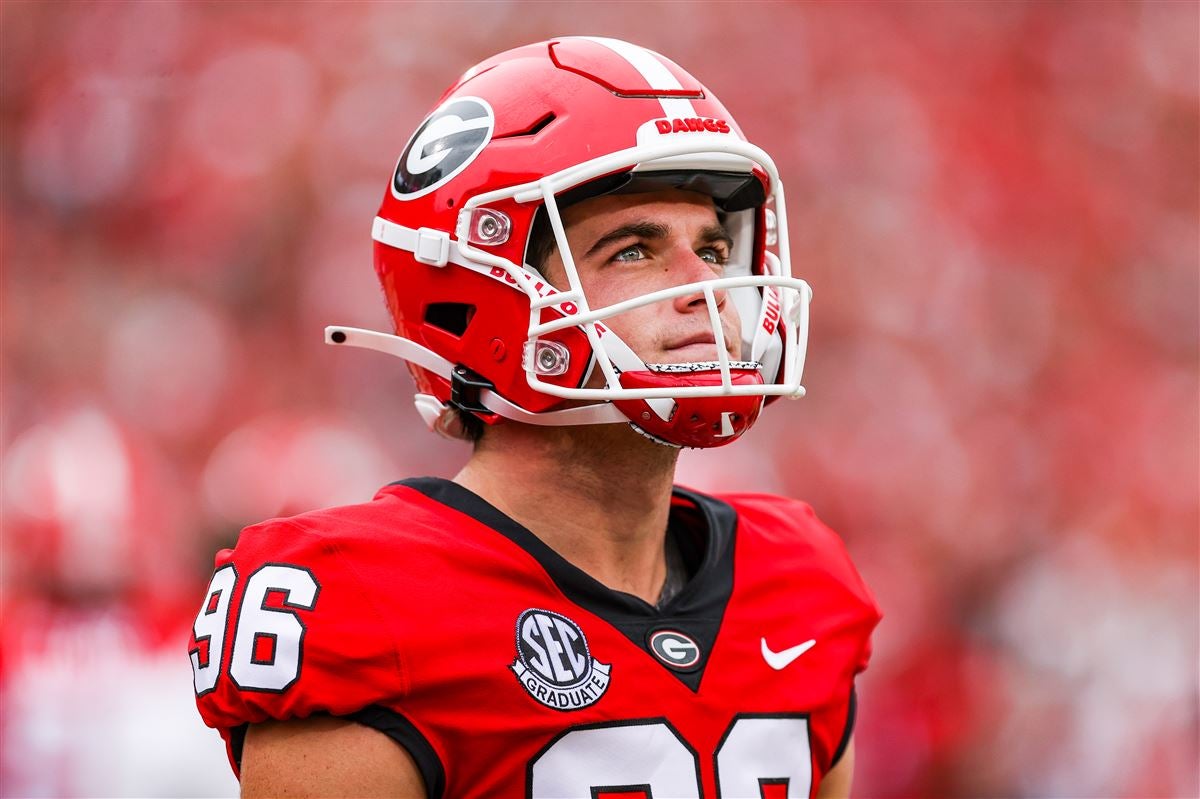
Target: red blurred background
(995,203)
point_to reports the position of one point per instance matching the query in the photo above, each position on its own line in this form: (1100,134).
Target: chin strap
(406,350)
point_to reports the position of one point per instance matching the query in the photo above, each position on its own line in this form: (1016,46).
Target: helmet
(509,146)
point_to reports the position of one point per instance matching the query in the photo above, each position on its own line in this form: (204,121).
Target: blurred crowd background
(995,203)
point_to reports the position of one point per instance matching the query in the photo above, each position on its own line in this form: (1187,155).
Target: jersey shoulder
(298,618)
(785,521)
(788,532)
(395,516)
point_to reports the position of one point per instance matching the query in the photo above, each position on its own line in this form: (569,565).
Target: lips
(693,348)
(700,338)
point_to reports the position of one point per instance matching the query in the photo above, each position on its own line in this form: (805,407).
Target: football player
(587,265)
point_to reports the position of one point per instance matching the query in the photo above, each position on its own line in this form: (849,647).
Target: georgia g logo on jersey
(554,664)
(448,140)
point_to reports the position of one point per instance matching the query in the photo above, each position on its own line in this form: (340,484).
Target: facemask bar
(610,352)
(789,384)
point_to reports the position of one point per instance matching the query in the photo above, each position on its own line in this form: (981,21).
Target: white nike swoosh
(779,660)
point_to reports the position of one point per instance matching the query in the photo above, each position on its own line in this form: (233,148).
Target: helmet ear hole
(452,317)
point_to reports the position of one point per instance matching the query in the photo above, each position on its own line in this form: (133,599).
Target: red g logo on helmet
(445,143)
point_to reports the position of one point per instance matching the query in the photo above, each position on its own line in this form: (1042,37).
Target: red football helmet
(521,136)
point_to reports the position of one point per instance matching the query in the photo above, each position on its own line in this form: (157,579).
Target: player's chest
(532,688)
(543,651)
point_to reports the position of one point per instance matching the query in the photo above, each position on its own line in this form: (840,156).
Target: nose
(688,267)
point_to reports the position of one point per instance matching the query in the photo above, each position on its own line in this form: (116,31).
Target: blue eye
(632,253)
(714,256)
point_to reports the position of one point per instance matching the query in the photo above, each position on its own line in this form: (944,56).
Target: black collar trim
(697,610)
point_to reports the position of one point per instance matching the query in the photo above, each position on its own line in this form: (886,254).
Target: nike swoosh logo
(779,660)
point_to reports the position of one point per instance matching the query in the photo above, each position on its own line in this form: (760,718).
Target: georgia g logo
(675,649)
(553,662)
(448,140)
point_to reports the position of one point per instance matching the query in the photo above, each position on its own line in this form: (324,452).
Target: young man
(587,266)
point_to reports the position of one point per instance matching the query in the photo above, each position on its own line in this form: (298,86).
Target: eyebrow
(657,230)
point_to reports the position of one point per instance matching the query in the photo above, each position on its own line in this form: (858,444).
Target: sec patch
(554,663)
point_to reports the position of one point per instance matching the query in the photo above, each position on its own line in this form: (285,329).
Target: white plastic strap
(602,413)
(406,350)
(427,245)
(388,344)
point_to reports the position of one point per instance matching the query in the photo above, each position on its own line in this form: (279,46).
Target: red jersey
(506,671)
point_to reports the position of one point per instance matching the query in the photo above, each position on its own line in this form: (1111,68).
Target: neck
(599,496)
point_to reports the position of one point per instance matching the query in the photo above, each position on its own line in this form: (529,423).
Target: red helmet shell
(512,119)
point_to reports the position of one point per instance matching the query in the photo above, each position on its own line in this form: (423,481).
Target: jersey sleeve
(819,556)
(842,568)
(288,630)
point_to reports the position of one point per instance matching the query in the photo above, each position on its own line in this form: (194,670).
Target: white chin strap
(431,408)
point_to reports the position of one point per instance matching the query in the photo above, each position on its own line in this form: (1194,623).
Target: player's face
(633,244)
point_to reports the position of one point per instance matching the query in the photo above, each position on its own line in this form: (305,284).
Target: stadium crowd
(996,205)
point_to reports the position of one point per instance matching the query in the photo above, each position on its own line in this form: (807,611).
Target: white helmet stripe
(654,71)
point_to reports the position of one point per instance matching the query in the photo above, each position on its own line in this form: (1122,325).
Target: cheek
(637,327)
(641,328)
(615,285)
(731,318)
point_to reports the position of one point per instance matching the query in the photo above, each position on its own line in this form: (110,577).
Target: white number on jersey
(210,630)
(267,641)
(650,759)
